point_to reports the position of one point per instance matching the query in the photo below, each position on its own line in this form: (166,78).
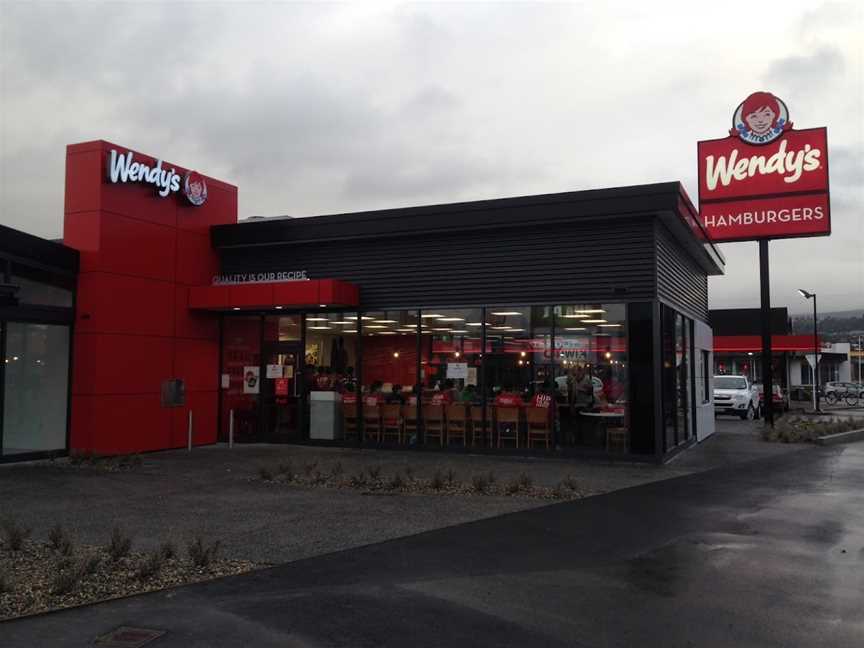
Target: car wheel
(749,415)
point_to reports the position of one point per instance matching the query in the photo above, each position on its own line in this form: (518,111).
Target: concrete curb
(842,437)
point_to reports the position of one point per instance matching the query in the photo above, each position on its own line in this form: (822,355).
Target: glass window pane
(284,328)
(241,362)
(331,351)
(36,388)
(591,375)
(389,374)
(41,287)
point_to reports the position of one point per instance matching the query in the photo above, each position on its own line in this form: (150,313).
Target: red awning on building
(314,293)
(753,343)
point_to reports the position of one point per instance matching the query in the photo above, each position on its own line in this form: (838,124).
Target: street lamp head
(805,294)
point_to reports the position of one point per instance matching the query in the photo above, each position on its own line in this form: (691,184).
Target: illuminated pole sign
(765,180)
(122,168)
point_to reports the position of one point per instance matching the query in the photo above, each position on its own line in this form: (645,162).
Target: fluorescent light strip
(608,325)
(451,319)
(425,315)
(590,310)
(575,316)
(594,321)
(385,321)
(317,319)
(375,326)
(575,328)
(319,328)
(506,313)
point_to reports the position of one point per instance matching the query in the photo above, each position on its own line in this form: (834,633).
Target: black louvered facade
(641,246)
(594,246)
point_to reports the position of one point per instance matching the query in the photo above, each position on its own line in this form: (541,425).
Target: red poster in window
(281,386)
(765,180)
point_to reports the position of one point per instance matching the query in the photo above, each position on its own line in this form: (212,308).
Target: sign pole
(767,369)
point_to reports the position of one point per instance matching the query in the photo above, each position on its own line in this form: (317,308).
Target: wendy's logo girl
(195,188)
(761,118)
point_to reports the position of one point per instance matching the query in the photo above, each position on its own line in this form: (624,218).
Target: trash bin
(325,415)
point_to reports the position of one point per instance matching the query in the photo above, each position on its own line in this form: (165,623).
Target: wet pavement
(764,553)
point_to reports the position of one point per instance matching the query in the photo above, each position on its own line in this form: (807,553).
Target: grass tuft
(14,534)
(201,554)
(119,545)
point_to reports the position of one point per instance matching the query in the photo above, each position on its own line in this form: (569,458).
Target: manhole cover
(126,637)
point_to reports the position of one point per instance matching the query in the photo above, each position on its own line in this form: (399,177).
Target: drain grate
(126,637)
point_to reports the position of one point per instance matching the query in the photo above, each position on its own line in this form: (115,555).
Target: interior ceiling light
(502,328)
(317,319)
(385,321)
(575,316)
(594,321)
(406,330)
(341,322)
(410,325)
(348,331)
(279,308)
(515,330)
(451,319)
(425,315)
(354,317)
(320,328)
(608,325)
(459,331)
(441,329)
(575,328)
(506,313)
(590,310)
(388,332)
(375,326)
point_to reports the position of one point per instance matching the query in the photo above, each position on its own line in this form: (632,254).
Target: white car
(844,388)
(735,395)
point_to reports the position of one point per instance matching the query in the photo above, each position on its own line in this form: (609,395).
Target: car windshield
(730,382)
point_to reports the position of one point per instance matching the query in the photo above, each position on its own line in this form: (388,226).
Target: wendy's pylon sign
(122,167)
(765,180)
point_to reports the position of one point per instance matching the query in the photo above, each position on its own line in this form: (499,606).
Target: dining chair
(479,427)
(410,422)
(507,424)
(371,422)
(434,422)
(392,422)
(349,420)
(457,423)
(539,425)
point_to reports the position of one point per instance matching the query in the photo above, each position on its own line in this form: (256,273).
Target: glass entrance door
(281,391)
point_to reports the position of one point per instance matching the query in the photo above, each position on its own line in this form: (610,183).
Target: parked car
(843,388)
(737,396)
(780,400)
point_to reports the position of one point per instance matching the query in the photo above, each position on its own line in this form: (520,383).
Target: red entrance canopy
(753,343)
(266,295)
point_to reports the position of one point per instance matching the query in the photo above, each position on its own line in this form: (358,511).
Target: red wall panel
(121,364)
(109,303)
(134,328)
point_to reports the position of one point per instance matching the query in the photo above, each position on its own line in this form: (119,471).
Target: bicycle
(850,396)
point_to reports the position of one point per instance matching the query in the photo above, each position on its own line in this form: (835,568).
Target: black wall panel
(680,282)
(605,260)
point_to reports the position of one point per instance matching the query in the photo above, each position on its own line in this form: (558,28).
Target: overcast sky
(321,108)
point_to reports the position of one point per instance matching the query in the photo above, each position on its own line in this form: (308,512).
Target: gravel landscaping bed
(41,576)
(442,482)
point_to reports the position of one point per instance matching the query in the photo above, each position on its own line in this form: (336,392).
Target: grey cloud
(811,71)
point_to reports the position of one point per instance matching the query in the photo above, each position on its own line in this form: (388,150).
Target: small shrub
(168,550)
(560,492)
(480,483)
(89,565)
(64,563)
(570,482)
(319,478)
(396,482)
(200,554)
(151,565)
(513,487)
(14,534)
(5,584)
(375,473)
(310,467)
(119,544)
(285,468)
(451,476)
(337,470)
(409,472)
(491,477)
(65,582)
(56,537)
(265,474)
(525,481)
(437,481)
(358,481)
